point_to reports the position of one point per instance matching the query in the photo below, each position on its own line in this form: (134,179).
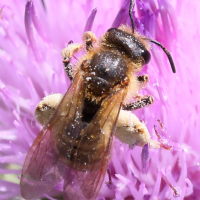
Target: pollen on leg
(46,107)
(69,51)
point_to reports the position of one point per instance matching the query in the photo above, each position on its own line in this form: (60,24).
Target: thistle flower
(32,36)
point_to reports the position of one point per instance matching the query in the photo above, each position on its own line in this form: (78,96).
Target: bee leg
(68,68)
(143,80)
(46,108)
(142,102)
(130,130)
(67,53)
(90,39)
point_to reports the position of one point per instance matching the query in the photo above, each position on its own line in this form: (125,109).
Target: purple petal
(122,15)
(157,185)
(8,190)
(164,15)
(90,20)
(145,158)
(29,28)
(37,24)
(43,4)
(147,17)
(10,171)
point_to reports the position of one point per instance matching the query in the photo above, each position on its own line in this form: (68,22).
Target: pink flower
(32,36)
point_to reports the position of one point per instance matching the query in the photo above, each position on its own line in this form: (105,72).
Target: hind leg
(141,101)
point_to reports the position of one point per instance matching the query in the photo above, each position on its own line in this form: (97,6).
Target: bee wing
(44,167)
(95,143)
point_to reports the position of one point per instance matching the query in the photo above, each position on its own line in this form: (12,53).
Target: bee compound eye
(147,56)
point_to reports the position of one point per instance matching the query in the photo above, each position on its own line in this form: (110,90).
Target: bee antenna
(167,53)
(131,15)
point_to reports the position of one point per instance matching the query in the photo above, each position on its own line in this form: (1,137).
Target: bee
(76,141)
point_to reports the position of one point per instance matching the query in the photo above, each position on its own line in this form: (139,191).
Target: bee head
(127,44)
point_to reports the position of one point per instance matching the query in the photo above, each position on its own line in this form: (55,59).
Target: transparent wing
(44,165)
(93,151)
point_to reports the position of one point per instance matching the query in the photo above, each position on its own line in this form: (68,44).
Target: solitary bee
(76,141)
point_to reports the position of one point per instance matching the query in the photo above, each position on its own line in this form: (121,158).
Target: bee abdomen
(83,152)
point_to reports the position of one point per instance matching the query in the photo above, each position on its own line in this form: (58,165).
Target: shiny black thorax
(105,70)
(109,67)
